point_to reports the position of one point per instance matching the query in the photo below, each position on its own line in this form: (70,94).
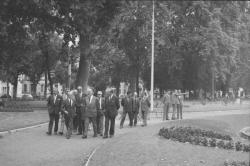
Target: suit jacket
(54,106)
(136,105)
(127,104)
(174,99)
(91,107)
(181,99)
(111,106)
(100,108)
(145,104)
(166,99)
(69,107)
(79,100)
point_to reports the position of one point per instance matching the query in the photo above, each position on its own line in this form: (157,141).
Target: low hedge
(201,137)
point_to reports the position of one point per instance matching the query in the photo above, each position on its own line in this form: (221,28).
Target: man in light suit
(69,110)
(54,108)
(90,113)
(100,113)
(111,110)
(167,104)
(79,106)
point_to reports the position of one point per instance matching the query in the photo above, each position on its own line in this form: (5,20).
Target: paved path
(32,147)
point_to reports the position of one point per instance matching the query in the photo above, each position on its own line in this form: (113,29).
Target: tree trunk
(137,80)
(8,88)
(45,85)
(83,71)
(48,72)
(15,86)
(50,82)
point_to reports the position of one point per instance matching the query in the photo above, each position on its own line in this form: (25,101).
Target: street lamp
(152,59)
(69,64)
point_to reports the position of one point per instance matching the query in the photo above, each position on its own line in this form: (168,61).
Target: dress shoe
(111,136)
(104,137)
(48,133)
(68,137)
(101,135)
(60,133)
(84,137)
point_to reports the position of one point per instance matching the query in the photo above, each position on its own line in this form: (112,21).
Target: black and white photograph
(124,83)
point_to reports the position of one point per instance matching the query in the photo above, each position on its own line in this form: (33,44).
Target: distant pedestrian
(111,110)
(180,99)
(69,110)
(135,108)
(54,107)
(145,105)
(174,102)
(100,113)
(166,105)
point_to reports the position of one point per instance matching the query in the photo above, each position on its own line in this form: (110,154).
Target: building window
(4,90)
(25,88)
(42,88)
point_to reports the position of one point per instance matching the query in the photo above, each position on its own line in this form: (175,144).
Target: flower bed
(202,137)
(235,163)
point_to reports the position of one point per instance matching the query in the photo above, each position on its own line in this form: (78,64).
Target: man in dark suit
(79,106)
(111,110)
(100,113)
(54,107)
(90,113)
(127,103)
(135,108)
(69,110)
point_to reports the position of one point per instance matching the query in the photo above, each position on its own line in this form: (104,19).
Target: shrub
(246,148)
(221,144)
(212,142)
(204,142)
(229,145)
(238,146)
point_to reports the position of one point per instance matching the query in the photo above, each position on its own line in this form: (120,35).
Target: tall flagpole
(152,59)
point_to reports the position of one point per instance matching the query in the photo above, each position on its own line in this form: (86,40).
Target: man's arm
(117,103)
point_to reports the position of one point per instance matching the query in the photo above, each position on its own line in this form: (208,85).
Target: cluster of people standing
(80,109)
(173,99)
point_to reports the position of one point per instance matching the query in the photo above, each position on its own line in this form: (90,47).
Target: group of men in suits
(81,109)
(131,105)
(175,100)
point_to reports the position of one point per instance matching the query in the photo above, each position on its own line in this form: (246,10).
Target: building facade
(24,87)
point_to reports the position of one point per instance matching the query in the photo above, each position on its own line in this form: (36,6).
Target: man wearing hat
(100,113)
(69,110)
(54,107)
